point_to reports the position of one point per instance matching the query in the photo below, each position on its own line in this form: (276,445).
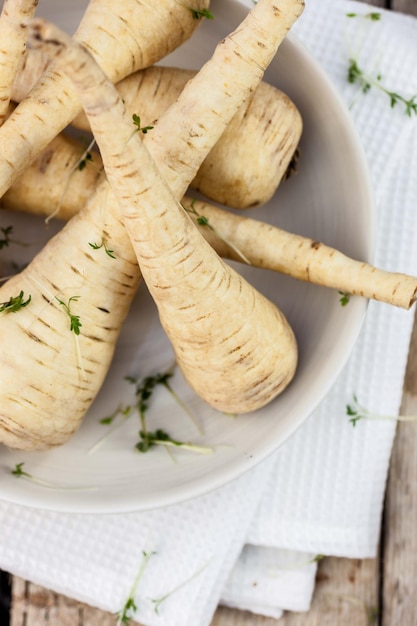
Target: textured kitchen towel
(327,490)
(324,488)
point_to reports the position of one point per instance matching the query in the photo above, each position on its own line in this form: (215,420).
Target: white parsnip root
(13,21)
(123,37)
(268,247)
(53,177)
(44,413)
(248,162)
(233,346)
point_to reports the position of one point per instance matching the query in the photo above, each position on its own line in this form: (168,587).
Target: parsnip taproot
(248,162)
(52,178)
(123,36)
(251,158)
(13,19)
(253,154)
(234,347)
(268,247)
(58,182)
(44,410)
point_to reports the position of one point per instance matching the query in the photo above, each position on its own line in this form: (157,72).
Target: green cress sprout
(21,473)
(199,13)
(15,303)
(139,127)
(357,412)
(344,298)
(357,75)
(129,608)
(103,244)
(202,220)
(144,390)
(75,323)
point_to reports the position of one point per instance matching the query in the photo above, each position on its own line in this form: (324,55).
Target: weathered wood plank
(405,6)
(400,536)
(346,594)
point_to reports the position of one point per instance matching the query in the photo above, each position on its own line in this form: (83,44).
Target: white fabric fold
(323,490)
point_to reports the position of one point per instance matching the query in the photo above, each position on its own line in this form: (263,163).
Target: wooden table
(348,592)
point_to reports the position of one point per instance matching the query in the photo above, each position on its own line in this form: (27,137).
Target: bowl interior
(329,200)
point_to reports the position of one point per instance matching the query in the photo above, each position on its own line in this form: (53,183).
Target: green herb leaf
(75,323)
(344,298)
(199,13)
(103,244)
(129,608)
(83,162)
(6,240)
(15,303)
(139,127)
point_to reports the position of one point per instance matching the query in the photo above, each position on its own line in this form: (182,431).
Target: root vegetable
(14,16)
(234,347)
(269,247)
(45,412)
(31,67)
(42,185)
(251,157)
(123,36)
(58,182)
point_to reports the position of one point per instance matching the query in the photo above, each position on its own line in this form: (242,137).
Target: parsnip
(58,182)
(234,347)
(266,246)
(43,410)
(123,36)
(31,67)
(13,20)
(42,185)
(251,158)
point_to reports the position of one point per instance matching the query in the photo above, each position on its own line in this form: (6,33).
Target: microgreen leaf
(103,244)
(129,608)
(6,239)
(75,323)
(202,220)
(83,162)
(357,412)
(199,13)
(139,127)
(14,303)
(21,473)
(344,298)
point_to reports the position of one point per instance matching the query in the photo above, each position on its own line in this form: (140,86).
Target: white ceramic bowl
(329,200)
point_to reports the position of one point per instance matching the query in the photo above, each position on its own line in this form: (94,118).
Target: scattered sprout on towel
(15,303)
(357,412)
(374,16)
(158,601)
(129,608)
(366,79)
